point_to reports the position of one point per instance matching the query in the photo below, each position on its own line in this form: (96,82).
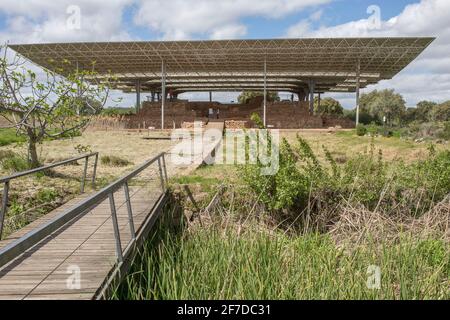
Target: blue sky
(35,21)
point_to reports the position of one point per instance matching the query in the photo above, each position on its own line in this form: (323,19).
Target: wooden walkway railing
(77,250)
(7,180)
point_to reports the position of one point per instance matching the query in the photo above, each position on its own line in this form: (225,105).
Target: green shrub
(444,133)
(115,161)
(361,130)
(13,162)
(364,180)
(115,111)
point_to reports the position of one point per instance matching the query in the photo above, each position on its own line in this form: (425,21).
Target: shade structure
(234,65)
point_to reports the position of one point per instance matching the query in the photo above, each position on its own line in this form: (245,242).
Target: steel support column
(210,96)
(311,96)
(163,91)
(265,93)
(358,75)
(318,101)
(138,95)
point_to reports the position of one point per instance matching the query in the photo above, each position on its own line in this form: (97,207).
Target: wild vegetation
(385,113)
(315,230)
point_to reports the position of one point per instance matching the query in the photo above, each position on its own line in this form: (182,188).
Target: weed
(115,161)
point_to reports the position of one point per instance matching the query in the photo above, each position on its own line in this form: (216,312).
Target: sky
(427,78)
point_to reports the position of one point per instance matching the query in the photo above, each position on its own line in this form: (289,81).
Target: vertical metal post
(163,91)
(165,168)
(210,96)
(130,211)
(318,101)
(161,175)
(358,75)
(4,206)
(265,93)
(115,227)
(83,180)
(78,89)
(138,95)
(94,173)
(311,96)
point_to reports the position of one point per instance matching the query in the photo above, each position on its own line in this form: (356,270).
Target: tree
(441,112)
(424,110)
(385,103)
(48,105)
(246,96)
(328,106)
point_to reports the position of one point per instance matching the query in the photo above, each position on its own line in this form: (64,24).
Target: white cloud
(426,78)
(182,19)
(35,21)
(231,31)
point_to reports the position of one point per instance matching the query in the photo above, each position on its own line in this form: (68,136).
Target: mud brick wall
(335,122)
(179,113)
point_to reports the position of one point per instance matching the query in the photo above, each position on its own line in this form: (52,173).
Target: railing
(17,247)
(6,180)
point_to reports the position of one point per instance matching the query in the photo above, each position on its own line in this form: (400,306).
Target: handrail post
(4,206)
(94,173)
(129,209)
(115,227)
(83,180)
(165,168)
(161,175)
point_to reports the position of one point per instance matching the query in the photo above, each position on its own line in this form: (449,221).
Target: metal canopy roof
(234,65)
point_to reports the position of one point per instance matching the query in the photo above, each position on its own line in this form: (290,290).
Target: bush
(115,161)
(303,182)
(13,162)
(361,130)
(116,111)
(444,133)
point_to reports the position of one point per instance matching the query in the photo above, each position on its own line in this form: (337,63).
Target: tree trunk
(33,160)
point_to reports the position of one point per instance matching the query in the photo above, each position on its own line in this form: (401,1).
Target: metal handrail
(18,246)
(6,180)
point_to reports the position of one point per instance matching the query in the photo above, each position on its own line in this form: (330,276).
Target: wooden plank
(88,243)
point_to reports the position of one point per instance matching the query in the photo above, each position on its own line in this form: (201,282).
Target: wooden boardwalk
(86,244)
(84,248)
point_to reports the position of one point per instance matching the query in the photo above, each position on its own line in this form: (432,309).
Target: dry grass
(344,144)
(357,226)
(126,145)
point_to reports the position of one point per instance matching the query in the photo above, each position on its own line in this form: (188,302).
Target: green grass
(215,264)
(114,161)
(208,177)
(8,136)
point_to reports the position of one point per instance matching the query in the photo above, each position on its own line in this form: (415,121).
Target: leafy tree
(365,102)
(441,112)
(424,110)
(385,103)
(47,106)
(328,106)
(246,96)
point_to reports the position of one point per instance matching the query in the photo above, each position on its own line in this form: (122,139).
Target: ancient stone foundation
(181,114)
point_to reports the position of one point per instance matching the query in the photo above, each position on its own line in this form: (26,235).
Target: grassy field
(9,136)
(324,249)
(344,144)
(254,263)
(327,249)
